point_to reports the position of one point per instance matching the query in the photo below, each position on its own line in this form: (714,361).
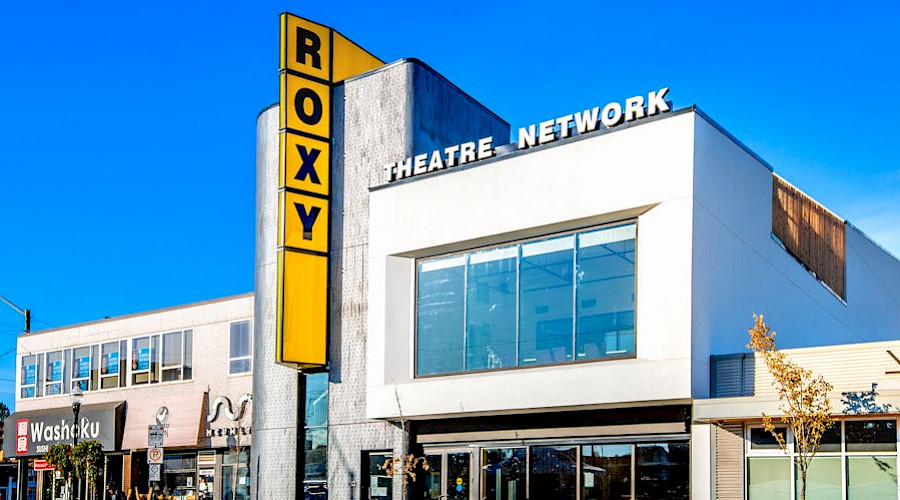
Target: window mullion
(574,295)
(465,299)
(518,297)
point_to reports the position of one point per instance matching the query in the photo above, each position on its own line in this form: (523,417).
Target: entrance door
(503,473)
(377,485)
(448,475)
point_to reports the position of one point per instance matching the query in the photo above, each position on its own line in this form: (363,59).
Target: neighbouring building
(858,455)
(185,369)
(540,320)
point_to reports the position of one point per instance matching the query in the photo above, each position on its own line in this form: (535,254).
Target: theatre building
(534,313)
(184,370)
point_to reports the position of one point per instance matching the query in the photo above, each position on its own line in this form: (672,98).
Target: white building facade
(539,324)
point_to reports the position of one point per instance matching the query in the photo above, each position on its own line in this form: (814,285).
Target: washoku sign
(32,433)
(314,59)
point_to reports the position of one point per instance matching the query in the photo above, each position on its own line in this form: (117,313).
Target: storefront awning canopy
(30,433)
(181,416)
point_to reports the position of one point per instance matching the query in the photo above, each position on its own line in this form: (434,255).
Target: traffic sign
(154,455)
(155,472)
(155,436)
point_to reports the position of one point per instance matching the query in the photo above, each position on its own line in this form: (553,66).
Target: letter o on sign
(313,117)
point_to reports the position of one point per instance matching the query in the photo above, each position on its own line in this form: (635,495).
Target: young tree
(87,460)
(804,400)
(404,466)
(59,456)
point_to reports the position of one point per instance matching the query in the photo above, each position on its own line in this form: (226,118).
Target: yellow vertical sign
(313,59)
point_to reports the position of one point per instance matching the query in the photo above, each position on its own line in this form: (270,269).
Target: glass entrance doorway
(448,474)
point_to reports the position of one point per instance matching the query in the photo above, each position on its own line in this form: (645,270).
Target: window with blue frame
(556,299)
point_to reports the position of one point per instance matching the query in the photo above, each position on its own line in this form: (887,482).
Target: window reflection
(606,472)
(439,346)
(553,300)
(491,309)
(553,472)
(546,294)
(662,471)
(504,474)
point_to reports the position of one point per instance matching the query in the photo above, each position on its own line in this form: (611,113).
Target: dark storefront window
(432,477)
(377,484)
(236,475)
(179,477)
(504,473)
(606,472)
(553,472)
(609,471)
(663,471)
(552,300)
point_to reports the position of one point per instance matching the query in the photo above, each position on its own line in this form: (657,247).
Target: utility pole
(23,312)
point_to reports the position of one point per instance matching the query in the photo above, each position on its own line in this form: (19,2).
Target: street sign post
(154,455)
(155,436)
(155,472)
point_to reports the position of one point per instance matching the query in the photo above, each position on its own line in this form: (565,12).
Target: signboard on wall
(37,430)
(314,59)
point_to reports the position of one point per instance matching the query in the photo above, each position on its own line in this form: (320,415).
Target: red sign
(42,465)
(22,436)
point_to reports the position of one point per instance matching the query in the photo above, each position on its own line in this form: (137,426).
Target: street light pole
(77,396)
(23,312)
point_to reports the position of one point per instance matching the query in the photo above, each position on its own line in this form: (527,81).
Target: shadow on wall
(863,402)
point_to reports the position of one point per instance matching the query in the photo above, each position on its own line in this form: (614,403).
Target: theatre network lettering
(314,58)
(545,132)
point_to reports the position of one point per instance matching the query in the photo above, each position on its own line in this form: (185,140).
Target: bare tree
(403,466)
(805,407)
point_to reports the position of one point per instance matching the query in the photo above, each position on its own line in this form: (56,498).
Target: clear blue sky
(127,139)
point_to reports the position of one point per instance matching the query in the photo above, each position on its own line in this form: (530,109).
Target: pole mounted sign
(314,59)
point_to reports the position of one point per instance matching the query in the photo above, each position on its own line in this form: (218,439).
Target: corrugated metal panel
(848,368)
(729,462)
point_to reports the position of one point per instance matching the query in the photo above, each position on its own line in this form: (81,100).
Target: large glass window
(112,364)
(172,351)
(504,473)
(553,472)
(377,484)
(606,472)
(871,435)
(769,478)
(552,300)
(605,302)
(440,316)
(240,352)
(54,377)
(144,367)
(28,376)
(81,368)
(545,298)
(236,475)
(857,460)
(823,479)
(316,433)
(870,477)
(491,309)
(663,471)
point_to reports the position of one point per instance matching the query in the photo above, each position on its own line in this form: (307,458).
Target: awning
(30,433)
(182,417)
